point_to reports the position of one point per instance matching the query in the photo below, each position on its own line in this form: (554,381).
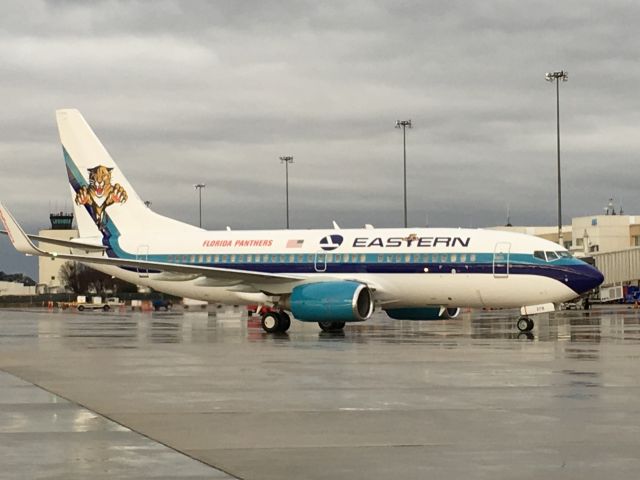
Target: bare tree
(80,279)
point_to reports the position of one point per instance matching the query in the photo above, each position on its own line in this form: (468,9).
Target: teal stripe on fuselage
(241,261)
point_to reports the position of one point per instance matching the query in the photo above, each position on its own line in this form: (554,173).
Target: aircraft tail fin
(105,203)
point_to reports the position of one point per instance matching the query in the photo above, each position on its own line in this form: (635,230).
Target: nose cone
(584,277)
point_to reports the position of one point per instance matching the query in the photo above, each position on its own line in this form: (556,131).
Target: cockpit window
(551,256)
(539,254)
(564,254)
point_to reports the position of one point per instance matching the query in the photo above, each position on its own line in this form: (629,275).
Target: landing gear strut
(276,322)
(525,324)
(331,326)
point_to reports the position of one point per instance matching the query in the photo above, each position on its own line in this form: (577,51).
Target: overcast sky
(215,91)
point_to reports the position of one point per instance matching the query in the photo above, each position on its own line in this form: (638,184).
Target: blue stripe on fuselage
(571,272)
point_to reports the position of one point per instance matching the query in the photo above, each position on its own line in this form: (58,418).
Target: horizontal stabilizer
(88,247)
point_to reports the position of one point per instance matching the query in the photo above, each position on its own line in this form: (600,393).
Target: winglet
(17,236)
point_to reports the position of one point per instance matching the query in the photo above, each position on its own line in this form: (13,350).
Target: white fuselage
(406,267)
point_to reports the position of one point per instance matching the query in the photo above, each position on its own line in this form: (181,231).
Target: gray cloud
(181,92)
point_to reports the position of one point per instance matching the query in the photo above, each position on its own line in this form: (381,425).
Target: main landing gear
(525,324)
(276,322)
(331,326)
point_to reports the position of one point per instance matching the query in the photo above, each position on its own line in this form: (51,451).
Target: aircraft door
(143,254)
(320,262)
(501,259)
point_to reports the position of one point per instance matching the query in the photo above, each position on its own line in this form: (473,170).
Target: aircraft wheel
(331,326)
(285,321)
(525,324)
(273,322)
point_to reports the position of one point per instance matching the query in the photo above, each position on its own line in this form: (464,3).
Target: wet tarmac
(192,395)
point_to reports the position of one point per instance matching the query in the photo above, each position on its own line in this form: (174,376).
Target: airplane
(332,277)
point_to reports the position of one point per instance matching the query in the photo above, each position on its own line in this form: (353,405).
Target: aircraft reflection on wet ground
(126,329)
(464,398)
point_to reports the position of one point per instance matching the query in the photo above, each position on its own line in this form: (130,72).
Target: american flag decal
(295,243)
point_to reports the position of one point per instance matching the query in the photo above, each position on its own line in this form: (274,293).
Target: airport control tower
(48,269)
(61,221)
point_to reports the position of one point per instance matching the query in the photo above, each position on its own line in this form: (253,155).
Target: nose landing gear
(525,324)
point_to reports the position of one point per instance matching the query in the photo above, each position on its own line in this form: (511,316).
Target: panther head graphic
(100,194)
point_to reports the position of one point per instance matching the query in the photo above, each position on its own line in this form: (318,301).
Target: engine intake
(339,301)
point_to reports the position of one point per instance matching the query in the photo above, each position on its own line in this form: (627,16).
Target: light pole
(404,124)
(287,160)
(551,77)
(199,187)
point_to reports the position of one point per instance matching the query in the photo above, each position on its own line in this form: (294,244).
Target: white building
(605,233)
(14,288)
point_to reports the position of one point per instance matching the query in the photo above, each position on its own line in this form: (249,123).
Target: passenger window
(330,257)
(454,257)
(193,259)
(363,258)
(443,258)
(216,258)
(539,254)
(407,258)
(233,259)
(292,258)
(472,257)
(389,258)
(338,258)
(223,258)
(274,259)
(551,256)
(208,258)
(463,257)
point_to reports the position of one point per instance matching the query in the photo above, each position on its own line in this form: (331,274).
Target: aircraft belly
(460,290)
(406,290)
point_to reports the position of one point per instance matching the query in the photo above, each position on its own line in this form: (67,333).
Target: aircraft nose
(584,277)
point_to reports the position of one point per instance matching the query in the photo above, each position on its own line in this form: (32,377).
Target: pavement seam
(234,476)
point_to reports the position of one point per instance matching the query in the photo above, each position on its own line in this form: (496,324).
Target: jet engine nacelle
(426,313)
(339,301)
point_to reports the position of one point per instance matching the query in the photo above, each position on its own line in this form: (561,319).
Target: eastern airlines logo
(411,241)
(331,242)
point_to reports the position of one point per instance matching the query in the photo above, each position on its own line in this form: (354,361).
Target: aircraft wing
(222,276)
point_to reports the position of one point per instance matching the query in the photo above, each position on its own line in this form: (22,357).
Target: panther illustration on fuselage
(100,194)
